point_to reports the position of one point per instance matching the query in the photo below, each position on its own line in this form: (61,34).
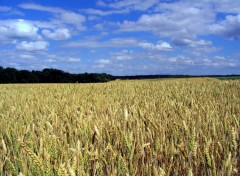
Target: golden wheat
(168,127)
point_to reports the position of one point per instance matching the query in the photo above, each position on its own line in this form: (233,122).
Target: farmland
(160,127)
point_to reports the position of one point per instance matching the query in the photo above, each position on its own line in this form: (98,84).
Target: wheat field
(162,127)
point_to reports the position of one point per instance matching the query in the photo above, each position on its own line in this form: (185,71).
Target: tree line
(50,75)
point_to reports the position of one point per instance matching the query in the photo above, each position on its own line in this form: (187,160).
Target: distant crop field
(229,78)
(162,127)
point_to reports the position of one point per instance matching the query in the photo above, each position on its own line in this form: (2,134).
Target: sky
(121,37)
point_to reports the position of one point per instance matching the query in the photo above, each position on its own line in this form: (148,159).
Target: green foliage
(11,75)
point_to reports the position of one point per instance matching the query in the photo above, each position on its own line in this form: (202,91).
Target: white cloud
(26,56)
(164,46)
(224,6)
(229,27)
(184,25)
(130,4)
(33,46)
(171,24)
(220,61)
(201,62)
(183,60)
(113,61)
(114,42)
(122,55)
(192,42)
(32,6)
(197,18)
(62,16)
(174,63)
(103,61)
(71,59)
(120,43)
(183,21)
(18,29)
(72,18)
(105,13)
(58,34)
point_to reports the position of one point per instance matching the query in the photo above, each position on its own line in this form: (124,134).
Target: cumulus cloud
(18,29)
(72,18)
(33,46)
(229,27)
(197,18)
(58,34)
(171,24)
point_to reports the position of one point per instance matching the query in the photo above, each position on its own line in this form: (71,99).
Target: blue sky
(122,37)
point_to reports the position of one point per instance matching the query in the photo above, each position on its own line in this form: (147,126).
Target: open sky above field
(122,37)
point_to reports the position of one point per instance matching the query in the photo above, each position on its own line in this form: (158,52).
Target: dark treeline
(12,75)
(172,76)
(152,76)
